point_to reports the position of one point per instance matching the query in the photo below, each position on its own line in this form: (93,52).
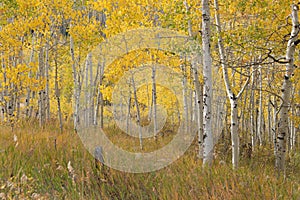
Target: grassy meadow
(42,163)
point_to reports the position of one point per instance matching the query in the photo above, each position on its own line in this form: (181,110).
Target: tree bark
(57,93)
(231,95)
(260,109)
(207,91)
(41,100)
(138,116)
(198,110)
(77,85)
(154,97)
(283,126)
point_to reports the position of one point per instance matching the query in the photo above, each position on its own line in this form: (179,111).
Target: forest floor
(34,165)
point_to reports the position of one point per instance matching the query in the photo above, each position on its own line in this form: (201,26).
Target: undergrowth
(43,163)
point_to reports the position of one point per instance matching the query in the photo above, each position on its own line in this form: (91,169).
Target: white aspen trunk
(31,59)
(243,115)
(194,106)
(252,113)
(149,103)
(138,116)
(154,97)
(232,97)
(47,91)
(20,60)
(77,84)
(101,110)
(185,102)
(192,109)
(87,91)
(260,108)
(199,111)
(4,91)
(275,124)
(234,132)
(102,18)
(57,93)
(99,100)
(291,122)
(269,120)
(198,93)
(17,103)
(12,93)
(97,105)
(207,91)
(41,100)
(91,89)
(128,115)
(283,125)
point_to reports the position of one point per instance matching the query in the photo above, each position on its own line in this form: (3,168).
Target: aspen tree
(233,98)
(207,91)
(283,126)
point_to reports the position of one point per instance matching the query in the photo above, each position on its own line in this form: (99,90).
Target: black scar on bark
(297,41)
(233,97)
(286,77)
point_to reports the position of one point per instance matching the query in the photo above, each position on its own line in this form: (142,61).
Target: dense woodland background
(46,70)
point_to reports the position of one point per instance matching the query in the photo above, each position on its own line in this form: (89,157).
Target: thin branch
(280,61)
(244,87)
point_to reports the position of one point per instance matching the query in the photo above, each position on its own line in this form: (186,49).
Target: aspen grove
(239,93)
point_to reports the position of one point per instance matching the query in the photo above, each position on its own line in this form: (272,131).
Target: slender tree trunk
(154,97)
(41,100)
(128,117)
(198,95)
(207,92)
(57,93)
(77,84)
(199,111)
(27,101)
(198,92)
(185,102)
(91,89)
(138,116)
(283,127)
(269,121)
(232,97)
(99,100)
(47,90)
(252,112)
(260,109)
(275,129)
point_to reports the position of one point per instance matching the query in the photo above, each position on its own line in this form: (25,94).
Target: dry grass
(46,164)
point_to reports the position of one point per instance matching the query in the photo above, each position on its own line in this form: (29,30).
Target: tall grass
(35,166)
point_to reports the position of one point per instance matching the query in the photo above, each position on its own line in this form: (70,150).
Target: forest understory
(38,163)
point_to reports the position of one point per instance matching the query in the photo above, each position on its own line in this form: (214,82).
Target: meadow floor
(34,165)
